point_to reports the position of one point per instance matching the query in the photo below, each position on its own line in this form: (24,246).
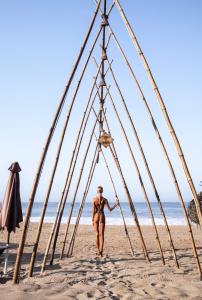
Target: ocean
(172,210)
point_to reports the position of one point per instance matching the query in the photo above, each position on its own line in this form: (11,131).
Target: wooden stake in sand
(42,160)
(163,108)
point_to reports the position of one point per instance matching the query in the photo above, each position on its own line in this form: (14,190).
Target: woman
(98,218)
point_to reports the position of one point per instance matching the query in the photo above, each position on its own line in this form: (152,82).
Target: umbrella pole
(146,165)
(116,196)
(139,177)
(170,166)
(6,259)
(33,257)
(74,157)
(164,110)
(88,183)
(73,201)
(52,129)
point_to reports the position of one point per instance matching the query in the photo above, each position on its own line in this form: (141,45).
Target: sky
(40,41)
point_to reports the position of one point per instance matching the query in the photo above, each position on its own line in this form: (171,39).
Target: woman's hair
(100,189)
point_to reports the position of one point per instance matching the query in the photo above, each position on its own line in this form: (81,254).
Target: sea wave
(116,221)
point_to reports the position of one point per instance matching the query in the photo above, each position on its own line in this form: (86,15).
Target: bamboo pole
(116,196)
(131,205)
(146,164)
(88,183)
(70,172)
(45,150)
(163,149)
(62,203)
(80,212)
(138,175)
(70,250)
(67,191)
(164,110)
(141,182)
(77,187)
(34,252)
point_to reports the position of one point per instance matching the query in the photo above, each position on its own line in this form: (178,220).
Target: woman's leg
(102,232)
(96,227)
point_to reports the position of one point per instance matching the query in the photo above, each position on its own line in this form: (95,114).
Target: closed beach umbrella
(11,212)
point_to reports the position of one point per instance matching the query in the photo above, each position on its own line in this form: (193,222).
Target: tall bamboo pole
(138,175)
(88,183)
(145,162)
(70,172)
(131,205)
(76,190)
(42,160)
(164,110)
(67,190)
(33,257)
(63,199)
(140,180)
(72,241)
(80,211)
(163,149)
(116,196)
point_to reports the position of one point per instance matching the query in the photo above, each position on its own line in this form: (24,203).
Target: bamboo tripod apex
(100,93)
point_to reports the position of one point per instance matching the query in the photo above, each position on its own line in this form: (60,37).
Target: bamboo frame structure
(146,164)
(33,257)
(164,110)
(167,158)
(43,157)
(102,120)
(138,175)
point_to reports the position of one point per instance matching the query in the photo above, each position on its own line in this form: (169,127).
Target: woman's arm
(110,208)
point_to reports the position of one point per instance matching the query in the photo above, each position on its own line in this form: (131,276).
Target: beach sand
(117,275)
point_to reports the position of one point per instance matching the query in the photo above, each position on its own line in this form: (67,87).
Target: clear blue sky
(39,44)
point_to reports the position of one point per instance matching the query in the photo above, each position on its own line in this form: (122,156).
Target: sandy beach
(117,275)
